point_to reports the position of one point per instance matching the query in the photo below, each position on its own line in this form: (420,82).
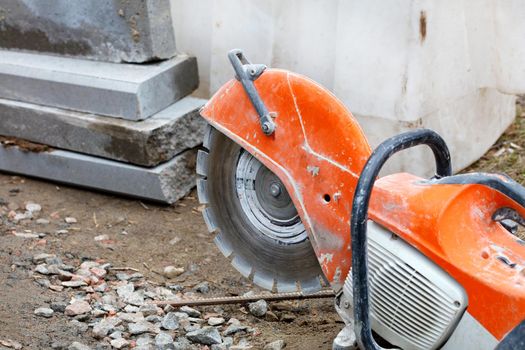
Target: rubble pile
(116,308)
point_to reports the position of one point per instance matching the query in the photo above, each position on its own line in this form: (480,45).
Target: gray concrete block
(165,183)
(128,91)
(147,143)
(106,30)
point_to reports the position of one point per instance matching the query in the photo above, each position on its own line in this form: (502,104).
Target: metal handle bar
(247,73)
(358,224)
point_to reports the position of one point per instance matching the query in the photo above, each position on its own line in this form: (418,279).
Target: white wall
(459,79)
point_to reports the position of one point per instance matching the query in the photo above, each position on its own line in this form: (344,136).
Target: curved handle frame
(359,218)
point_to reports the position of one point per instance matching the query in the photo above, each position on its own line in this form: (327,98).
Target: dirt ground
(148,237)
(149,228)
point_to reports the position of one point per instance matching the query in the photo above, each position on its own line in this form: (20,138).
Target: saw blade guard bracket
(247,73)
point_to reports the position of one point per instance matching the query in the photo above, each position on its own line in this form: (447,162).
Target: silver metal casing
(414,303)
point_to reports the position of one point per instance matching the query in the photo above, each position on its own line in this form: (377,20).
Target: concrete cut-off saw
(293,197)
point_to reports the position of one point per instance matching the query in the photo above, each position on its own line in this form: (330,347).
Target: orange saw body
(318,151)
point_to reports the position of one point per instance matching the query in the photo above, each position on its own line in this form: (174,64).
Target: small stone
(203,287)
(101,288)
(148,309)
(70,220)
(215,321)
(170,321)
(131,309)
(259,308)
(39,258)
(42,221)
(43,282)
(58,306)
(116,335)
(78,346)
(122,276)
(139,328)
(234,321)
(81,326)
(54,260)
(164,341)
(182,344)
(175,240)
(190,311)
(106,326)
(97,271)
(98,313)
(74,284)
(125,290)
(134,298)
(87,264)
(176,287)
(62,232)
(77,308)
(10,344)
(206,336)
(119,343)
(131,317)
(101,238)
(154,318)
(275,345)
(172,271)
(56,288)
(44,312)
(33,207)
(53,270)
(42,269)
(233,328)
(144,340)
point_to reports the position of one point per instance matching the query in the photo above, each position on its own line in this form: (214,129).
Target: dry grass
(507,155)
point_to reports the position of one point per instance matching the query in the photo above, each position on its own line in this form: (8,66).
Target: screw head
(346,304)
(275,189)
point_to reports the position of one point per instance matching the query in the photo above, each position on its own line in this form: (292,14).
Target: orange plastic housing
(318,151)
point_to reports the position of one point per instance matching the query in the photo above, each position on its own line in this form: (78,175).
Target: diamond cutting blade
(254,219)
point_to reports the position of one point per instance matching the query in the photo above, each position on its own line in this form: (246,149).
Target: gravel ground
(108,256)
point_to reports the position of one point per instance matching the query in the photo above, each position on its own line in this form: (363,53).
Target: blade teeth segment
(263,280)
(223,245)
(209,219)
(207,136)
(202,191)
(286,286)
(202,163)
(311,286)
(242,266)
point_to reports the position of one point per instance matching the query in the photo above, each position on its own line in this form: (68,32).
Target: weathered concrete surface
(165,183)
(128,91)
(486,109)
(148,142)
(106,30)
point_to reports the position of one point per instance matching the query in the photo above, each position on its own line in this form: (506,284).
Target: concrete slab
(147,143)
(106,30)
(127,91)
(165,183)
